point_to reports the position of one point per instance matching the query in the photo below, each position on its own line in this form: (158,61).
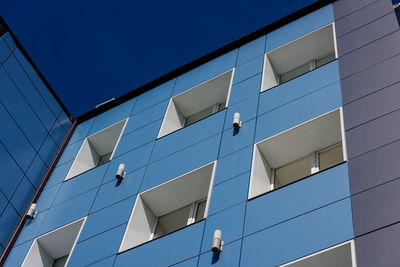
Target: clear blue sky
(91,51)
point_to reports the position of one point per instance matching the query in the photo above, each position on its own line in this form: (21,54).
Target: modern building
(285,141)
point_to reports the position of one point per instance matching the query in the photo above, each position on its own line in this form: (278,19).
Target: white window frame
(262,177)
(141,228)
(199,97)
(77,167)
(35,257)
(352,251)
(271,72)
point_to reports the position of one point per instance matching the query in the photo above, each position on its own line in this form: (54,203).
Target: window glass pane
(330,157)
(172,221)
(292,171)
(199,115)
(60,262)
(201,206)
(325,59)
(291,74)
(104,159)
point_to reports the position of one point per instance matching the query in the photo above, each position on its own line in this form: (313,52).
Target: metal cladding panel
(379,248)
(374,208)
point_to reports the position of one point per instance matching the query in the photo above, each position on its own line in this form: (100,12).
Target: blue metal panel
(188,136)
(64,121)
(247,109)
(187,263)
(229,221)
(47,197)
(154,96)
(81,131)
(133,160)
(22,196)
(181,162)
(8,220)
(300,27)
(17,255)
(81,183)
(58,175)
(251,50)
(112,116)
(70,152)
(114,191)
(29,91)
(107,218)
(3,202)
(229,193)
(21,112)
(138,138)
(235,139)
(4,51)
(152,114)
(298,111)
(245,89)
(97,248)
(11,174)
(15,142)
(36,171)
(233,165)
(43,90)
(205,72)
(298,237)
(31,228)
(48,150)
(304,196)
(104,263)
(66,212)
(248,69)
(299,87)
(166,250)
(10,42)
(58,133)
(228,257)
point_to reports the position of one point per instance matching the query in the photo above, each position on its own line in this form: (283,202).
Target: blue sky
(91,51)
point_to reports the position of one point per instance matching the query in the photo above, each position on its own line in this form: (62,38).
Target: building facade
(287,144)
(34,126)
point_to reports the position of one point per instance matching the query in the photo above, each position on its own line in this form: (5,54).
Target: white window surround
(57,244)
(292,144)
(97,149)
(187,189)
(343,255)
(305,49)
(195,100)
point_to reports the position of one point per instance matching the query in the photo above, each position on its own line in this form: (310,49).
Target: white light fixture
(120,172)
(32,211)
(217,242)
(236,120)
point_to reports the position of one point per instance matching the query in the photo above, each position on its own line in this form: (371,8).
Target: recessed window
(97,149)
(341,255)
(303,150)
(197,103)
(54,249)
(299,57)
(169,207)
(312,163)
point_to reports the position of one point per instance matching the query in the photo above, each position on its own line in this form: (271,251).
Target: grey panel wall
(368,39)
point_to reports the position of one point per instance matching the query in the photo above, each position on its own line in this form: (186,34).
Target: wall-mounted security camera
(217,243)
(120,172)
(236,120)
(32,211)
